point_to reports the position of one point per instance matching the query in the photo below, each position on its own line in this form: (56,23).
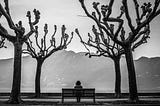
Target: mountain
(64,68)
(148,73)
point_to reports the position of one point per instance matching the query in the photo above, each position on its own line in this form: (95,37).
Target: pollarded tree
(136,36)
(107,48)
(17,40)
(45,51)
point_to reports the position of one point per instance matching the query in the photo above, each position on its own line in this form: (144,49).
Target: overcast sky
(59,12)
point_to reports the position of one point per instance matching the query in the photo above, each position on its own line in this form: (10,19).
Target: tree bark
(117,77)
(131,74)
(16,85)
(37,78)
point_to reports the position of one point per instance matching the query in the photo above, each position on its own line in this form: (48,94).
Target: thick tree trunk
(16,85)
(131,74)
(37,79)
(117,77)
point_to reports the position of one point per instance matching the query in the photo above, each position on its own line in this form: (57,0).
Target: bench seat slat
(85,93)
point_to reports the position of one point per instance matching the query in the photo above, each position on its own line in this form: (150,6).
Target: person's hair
(78,83)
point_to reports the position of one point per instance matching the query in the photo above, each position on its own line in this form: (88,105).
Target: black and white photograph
(79,53)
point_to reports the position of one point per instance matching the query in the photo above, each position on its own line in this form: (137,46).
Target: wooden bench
(85,93)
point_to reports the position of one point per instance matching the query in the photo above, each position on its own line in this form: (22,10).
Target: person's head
(78,83)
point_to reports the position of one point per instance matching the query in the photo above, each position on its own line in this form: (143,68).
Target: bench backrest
(86,92)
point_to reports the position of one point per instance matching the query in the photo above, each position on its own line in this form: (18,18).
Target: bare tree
(44,52)
(107,48)
(18,40)
(136,36)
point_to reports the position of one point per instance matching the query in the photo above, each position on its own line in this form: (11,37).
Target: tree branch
(2,42)
(36,38)
(30,49)
(7,15)
(4,33)
(99,23)
(44,37)
(31,24)
(81,40)
(136,5)
(85,10)
(110,50)
(7,7)
(144,31)
(124,2)
(69,41)
(152,13)
(109,9)
(44,51)
(140,42)
(95,6)
(52,41)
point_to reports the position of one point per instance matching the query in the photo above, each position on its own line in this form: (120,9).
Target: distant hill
(148,73)
(65,67)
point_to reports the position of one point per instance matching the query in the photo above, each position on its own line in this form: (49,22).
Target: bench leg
(78,99)
(94,100)
(62,100)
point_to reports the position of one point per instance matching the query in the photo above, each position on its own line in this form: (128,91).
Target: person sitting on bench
(78,92)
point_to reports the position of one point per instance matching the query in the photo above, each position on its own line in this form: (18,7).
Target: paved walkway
(72,102)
